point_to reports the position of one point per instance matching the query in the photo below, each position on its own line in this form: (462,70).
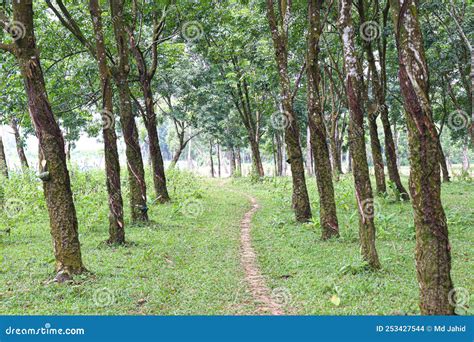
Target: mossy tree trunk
(112,163)
(363,188)
(57,185)
(136,172)
(279,30)
(319,147)
(433,256)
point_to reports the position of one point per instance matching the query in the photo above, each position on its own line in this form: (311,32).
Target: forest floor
(189,258)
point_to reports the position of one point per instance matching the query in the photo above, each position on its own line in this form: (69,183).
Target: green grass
(293,257)
(186,261)
(177,265)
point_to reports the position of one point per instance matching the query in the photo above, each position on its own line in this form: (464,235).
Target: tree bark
(279,32)
(363,188)
(318,144)
(57,185)
(433,256)
(112,163)
(20,149)
(3,159)
(309,157)
(136,172)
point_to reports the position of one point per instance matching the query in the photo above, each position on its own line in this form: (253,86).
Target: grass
(329,277)
(186,261)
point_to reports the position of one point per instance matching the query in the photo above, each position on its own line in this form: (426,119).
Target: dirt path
(262,295)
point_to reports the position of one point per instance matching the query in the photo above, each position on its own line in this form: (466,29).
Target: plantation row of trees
(269,77)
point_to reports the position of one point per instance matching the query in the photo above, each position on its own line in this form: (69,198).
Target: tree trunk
(443,164)
(363,188)
(238,159)
(377,155)
(136,172)
(20,146)
(300,197)
(335,155)
(145,78)
(256,157)
(232,163)
(433,256)
(211,160)
(279,154)
(112,163)
(327,204)
(218,160)
(391,155)
(3,160)
(57,186)
(309,157)
(465,157)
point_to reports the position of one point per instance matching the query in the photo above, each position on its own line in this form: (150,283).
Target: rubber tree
(56,181)
(363,188)
(433,256)
(20,144)
(146,73)
(112,163)
(318,140)
(279,32)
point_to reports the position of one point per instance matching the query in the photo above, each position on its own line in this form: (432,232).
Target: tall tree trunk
(3,159)
(443,164)
(57,185)
(363,188)
(335,155)
(279,32)
(433,256)
(391,155)
(112,163)
(219,160)
(238,159)
(211,160)
(232,163)
(327,204)
(279,153)
(136,172)
(377,158)
(20,149)
(157,164)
